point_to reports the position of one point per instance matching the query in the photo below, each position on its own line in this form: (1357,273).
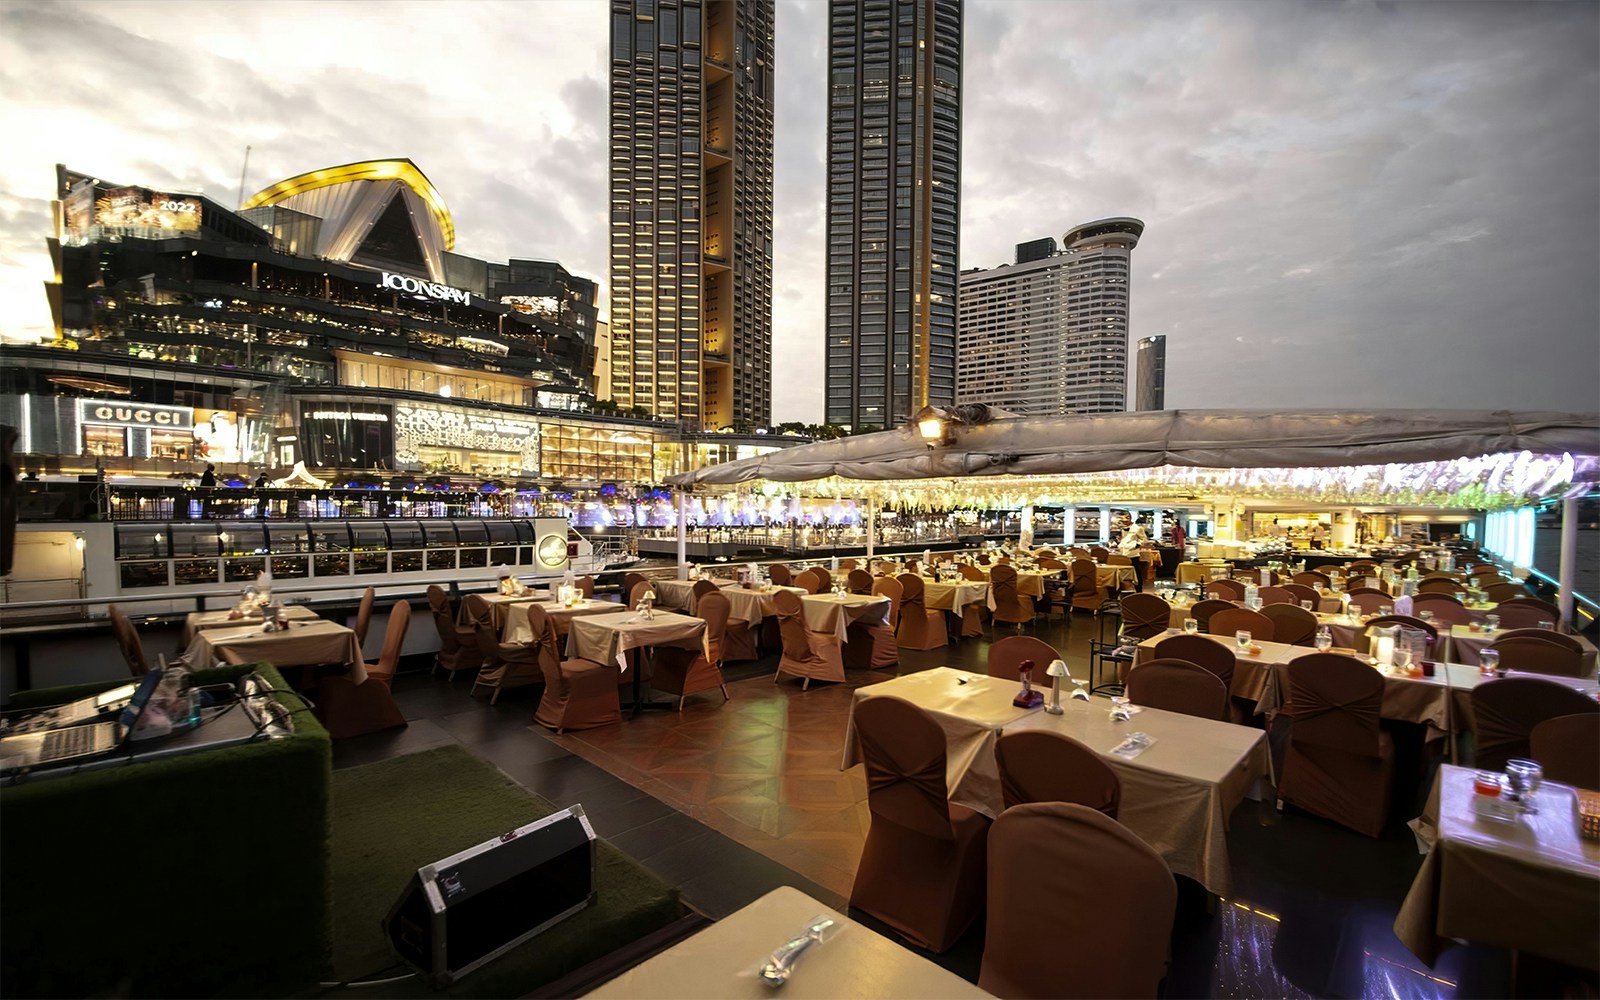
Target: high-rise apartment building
(1150,381)
(894,208)
(691,209)
(1050,334)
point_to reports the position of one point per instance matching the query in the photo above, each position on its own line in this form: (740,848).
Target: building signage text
(416,286)
(94,411)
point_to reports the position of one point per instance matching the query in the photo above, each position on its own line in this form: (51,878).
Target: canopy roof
(1465,458)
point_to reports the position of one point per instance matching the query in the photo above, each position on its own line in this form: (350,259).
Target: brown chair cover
(638,590)
(364,616)
(701,588)
(859,582)
(1099,553)
(1144,615)
(1201,611)
(1505,712)
(1276,595)
(1568,747)
(1232,620)
(972,573)
(1440,586)
(870,647)
(586,584)
(1338,765)
(1009,606)
(1369,601)
(921,627)
(824,580)
(888,586)
(741,642)
(348,709)
(1225,590)
(1037,765)
(1302,593)
(1180,686)
(1551,636)
(806,653)
(632,580)
(922,867)
(846,565)
(1312,579)
(683,672)
(780,574)
(458,644)
(1533,602)
(1006,655)
(1086,592)
(128,642)
(1291,624)
(1078,906)
(807,581)
(1538,656)
(1524,614)
(578,694)
(1438,599)
(1446,610)
(1052,564)
(1355,589)
(505,664)
(1501,592)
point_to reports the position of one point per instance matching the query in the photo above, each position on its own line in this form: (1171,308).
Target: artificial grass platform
(393,817)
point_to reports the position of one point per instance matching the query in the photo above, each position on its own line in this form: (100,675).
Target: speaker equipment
(470,908)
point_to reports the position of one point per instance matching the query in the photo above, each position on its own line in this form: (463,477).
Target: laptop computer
(72,742)
(98,706)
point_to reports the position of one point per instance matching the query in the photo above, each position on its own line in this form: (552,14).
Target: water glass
(1324,640)
(1242,637)
(1309,606)
(1119,709)
(1386,610)
(1492,622)
(1547,626)
(1191,625)
(1425,615)
(1489,661)
(1524,777)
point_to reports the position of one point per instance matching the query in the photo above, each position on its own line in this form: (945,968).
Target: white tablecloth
(604,638)
(831,614)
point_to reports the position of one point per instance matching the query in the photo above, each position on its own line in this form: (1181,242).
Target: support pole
(1569,560)
(683,535)
(1069,527)
(1105,525)
(872,530)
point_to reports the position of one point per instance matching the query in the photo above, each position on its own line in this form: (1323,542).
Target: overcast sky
(1346,204)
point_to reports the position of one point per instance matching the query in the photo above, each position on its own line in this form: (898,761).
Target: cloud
(1346,204)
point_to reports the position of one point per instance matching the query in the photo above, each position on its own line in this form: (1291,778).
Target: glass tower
(894,208)
(691,210)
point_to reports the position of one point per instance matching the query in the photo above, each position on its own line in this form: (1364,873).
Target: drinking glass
(1309,606)
(1489,661)
(1425,615)
(1386,609)
(1079,692)
(1191,625)
(1547,626)
(1242,637)
(1492,622)
(1524,777)
(1324,639)
(1119,709)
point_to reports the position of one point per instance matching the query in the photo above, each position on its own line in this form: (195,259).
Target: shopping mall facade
(327,322)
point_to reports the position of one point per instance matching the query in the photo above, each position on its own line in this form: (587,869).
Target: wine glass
(1242,638)
(1324,639)
(1191,626)
(1524,776)
(1079,691)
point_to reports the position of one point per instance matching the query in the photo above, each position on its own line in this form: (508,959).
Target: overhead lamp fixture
(936,424)
(933,426)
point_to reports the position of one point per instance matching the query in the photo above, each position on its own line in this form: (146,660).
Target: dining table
(624,636)
(1467,645)
(501,604)
(302,644)
(948,595)
(517,629)
(720,962)
(196,621)
(833,614)
(1529,883)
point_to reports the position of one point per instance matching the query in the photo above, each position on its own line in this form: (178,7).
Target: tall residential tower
(1150,387)
(691,209)
(894,208)
(1049,334)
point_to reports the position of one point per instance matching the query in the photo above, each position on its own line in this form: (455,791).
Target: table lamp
(1056,670)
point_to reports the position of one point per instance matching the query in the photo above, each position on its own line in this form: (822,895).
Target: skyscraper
(1049,334)
(894,208)
(691,209)
(1150,391)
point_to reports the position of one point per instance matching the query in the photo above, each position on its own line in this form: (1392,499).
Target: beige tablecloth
(517,629)
(750,606)
(971,715)
(677,595)
(1114,577)
(829,614)
(501,605)
(1029,584)
(301,645)
(953,596)
(1178,794)
(196,621)
(1465,645)
(719,963)
(609,637)
(1530,884)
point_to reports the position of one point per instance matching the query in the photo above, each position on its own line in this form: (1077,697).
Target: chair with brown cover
(870,647)
(1369,600)
(458,644)
(1505,712)
(806,654)
(1525,613)
(1356,589)
(578,694)
(1302,593)
(922,867)
(1568,748)
(1542,635)
(1536,655)
(983,558)
(1201,611)
(1234,619)
(348,708)
(1052,565)
(914,566)
(859,582)
(1225,590)
(807,581)
(631,581)
(1079,552)
(824,580)
(1180,686)
(1045,890)
(1502,592)
(1338,763)
(1440,586)
(846,565)
(637,592)
(1143,616)
(780,574)
(1086,592)
(1276,595)
(364,616)
(128,642)
(921,627)
(505,664)
(683,672)
(1007,654)
(1534,602)
(1099,553)
(701,588)
(1484,569)
(1313,579)
(972,573)
(888,586)
(1292,625)
(1445,609)
(1039,765)
(586,586)
(1009,606)
(1363,567)
(1213,656)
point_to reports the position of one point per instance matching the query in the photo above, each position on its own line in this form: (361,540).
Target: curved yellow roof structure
(368,170)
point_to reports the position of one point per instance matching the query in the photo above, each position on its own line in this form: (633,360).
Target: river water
(1547,559)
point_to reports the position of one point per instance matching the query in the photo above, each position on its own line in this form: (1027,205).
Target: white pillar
(1155,525)
(872,530)
(1069,527)
(1569,558)
(1105,525)
(683,535)
(1025,528)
